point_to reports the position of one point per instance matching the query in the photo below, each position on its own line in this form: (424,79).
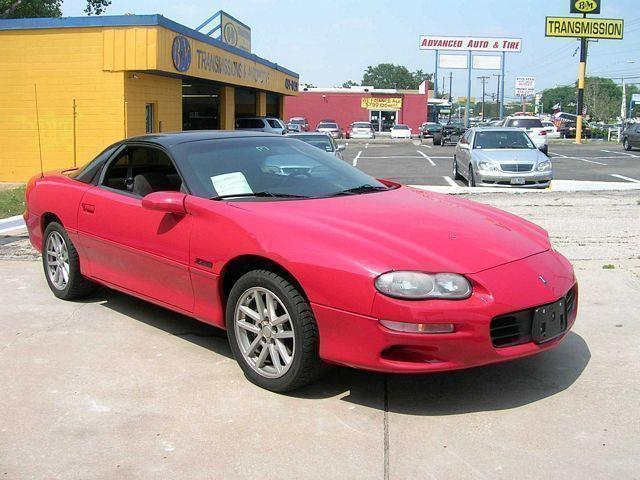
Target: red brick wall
(345,108)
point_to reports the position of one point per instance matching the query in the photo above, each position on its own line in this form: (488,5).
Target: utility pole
(623,106)
(498,96)
(450,82)
(483,79)
(444,86)
(582,67)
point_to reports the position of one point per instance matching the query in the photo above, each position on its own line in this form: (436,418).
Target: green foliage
(11,202)
(608,266)
(349,84)
(388,75)
(45,8)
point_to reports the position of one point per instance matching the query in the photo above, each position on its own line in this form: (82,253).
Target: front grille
(516,167)
(515,328)
(512,329)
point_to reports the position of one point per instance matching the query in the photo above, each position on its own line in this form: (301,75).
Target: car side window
(141,171)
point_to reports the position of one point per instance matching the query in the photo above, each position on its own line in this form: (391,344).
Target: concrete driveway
(114,387)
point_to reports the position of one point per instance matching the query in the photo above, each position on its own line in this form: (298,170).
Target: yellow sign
(381,103)
(464,100)
(611,28)
(585,6)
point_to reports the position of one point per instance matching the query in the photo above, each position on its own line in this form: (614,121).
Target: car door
(634,136)
(464,155)
(143,251)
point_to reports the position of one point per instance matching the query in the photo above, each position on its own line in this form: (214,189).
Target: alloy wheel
(57,255)
(264,332)
(625,144)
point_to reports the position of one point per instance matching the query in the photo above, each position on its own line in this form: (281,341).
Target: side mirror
(341,148)
(168,202)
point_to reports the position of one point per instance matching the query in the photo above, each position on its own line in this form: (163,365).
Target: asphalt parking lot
(415,163)
(114,387)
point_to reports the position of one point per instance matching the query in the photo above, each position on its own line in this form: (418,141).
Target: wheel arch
(238,266)
(48,217)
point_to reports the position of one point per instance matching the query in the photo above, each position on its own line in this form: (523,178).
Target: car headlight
(487,166)
(544,166)
(419,285)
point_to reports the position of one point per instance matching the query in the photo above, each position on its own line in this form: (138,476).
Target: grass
(11,202)
(608,266)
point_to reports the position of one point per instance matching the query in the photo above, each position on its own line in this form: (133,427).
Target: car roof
(496,129)
(174,138)
(304,134)
(523,117)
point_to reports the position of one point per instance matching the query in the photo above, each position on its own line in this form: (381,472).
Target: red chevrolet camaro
(304,260)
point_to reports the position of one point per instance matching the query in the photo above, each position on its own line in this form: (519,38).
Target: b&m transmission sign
(576,27)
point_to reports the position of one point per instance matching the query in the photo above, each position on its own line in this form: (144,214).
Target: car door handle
(87,207)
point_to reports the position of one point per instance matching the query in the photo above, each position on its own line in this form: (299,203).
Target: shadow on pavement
(493,387)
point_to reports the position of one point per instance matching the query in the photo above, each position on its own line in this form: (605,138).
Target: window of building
(149,115)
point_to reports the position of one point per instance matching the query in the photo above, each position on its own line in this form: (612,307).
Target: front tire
(437,139)
(61,265)
(272,332)
(626,145)
(471,180)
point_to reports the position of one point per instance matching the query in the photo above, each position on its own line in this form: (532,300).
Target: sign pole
(435,79)
(502,88)
(467,120)
(581,73)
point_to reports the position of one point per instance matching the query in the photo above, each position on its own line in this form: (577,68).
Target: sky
(331,41)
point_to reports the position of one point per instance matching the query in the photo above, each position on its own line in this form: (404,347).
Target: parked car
(294,127)
(302,121)
(450,133)
(534,128)
(553,131)
(323,141)
(428,129)
(262,124)
(294,266)
(631,136)
(361,130)
(501,157)
(400,130)
(331,128)
(568,129)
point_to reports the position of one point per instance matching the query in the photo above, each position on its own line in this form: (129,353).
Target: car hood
(404,228)
(514,155)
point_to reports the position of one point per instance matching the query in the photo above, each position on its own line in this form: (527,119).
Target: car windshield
(502,139)
(297,121)
(401,127)
(323,142)
(361,125)
(525,123)
(257,167)
(332,126)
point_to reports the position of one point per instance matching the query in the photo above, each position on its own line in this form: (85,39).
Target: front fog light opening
(406,327)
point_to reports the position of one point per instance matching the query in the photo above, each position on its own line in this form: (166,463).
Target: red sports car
(304,260)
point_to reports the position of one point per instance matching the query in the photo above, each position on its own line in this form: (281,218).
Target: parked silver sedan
(323,141)
(500,157)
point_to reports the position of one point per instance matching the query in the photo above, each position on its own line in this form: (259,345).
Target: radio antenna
(35,93)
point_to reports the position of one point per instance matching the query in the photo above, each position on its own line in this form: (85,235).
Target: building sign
(585,6)
(480,44)
(235,33)
(525,85)
(487,62)
(209,61)
(181,53)
(447,60)
(384,103)
(611,28)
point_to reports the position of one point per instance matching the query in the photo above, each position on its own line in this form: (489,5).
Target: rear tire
(626,144)
(61,265)
(455,173)
(437,139)
(291,347)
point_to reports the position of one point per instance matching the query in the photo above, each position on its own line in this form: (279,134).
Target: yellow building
(84,83)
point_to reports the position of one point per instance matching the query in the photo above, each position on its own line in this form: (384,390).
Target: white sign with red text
(525,85)
(479,44)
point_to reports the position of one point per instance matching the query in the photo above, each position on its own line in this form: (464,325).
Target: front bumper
(532,179)
(361,341)
(360,135)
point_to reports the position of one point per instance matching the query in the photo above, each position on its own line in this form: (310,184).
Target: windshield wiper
(360,189)
(262,194)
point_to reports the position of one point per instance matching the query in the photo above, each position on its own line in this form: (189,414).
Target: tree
(349,84)
(45,8)
(388,75)
(565,95)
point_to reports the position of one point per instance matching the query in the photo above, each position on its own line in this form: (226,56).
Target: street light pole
(483,79)
(498,95)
